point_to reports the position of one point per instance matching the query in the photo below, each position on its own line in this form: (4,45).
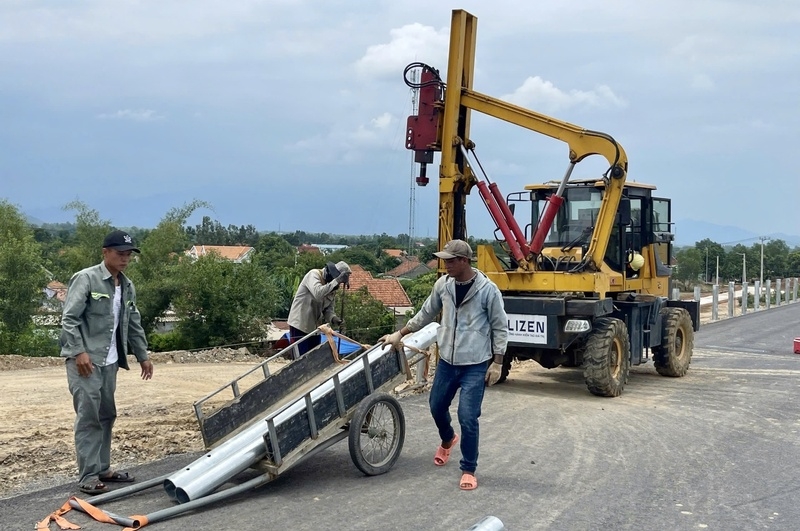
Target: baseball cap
(455,248)
(120,241)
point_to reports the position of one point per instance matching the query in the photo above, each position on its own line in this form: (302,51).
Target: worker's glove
(344,279)
(336,321)
(493,373)
(395,340)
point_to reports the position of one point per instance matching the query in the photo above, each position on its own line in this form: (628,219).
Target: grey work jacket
(470,333)
(87,322)
(313,302)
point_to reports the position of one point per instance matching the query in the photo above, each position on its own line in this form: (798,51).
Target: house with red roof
(234,253)
(387,290)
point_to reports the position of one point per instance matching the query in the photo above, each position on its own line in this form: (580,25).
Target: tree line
(215,301)
(698,264)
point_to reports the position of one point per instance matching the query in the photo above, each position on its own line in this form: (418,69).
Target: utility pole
(717,281)
(761,274)
(744,267)
(705,279)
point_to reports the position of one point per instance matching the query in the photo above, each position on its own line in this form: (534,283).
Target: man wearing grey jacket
(100,325)
(472,339)
(312,304)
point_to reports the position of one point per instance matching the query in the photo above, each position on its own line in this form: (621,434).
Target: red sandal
(468,481)
(443,454)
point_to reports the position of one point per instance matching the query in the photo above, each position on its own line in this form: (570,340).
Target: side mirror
(624,211)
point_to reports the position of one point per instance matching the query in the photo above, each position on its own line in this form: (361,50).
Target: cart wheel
(377,431)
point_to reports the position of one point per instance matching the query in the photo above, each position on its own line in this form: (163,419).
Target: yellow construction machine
(585,276)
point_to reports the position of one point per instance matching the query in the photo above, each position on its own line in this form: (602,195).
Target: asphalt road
(717,449)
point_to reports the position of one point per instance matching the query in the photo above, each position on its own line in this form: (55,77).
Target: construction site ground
(717,448)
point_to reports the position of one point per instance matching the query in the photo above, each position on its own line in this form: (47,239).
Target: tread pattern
(674,355)
(603,375)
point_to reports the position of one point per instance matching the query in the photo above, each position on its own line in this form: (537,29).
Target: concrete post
(697,293)
(777,292)
(715,302)
(757,298)
(794,291)
(768,285)
(676,294)
(731,300)
(745,294)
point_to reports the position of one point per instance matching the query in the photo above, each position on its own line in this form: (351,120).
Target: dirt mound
(11,362)
(155,418)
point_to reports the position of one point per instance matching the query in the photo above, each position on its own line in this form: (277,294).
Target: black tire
(376,434)
(607,357)
(673,356)
(506,369)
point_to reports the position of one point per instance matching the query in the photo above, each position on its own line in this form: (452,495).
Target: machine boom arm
(455,179)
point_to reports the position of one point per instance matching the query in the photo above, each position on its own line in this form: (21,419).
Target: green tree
(84,249)
(22,279)
(709,251)
(691,264)
(152,271)
(776,259)
(419,288)
(793,264)
(366,319)
(274,252)
(220,302)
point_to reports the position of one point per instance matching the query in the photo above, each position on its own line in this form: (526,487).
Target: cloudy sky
(290,114)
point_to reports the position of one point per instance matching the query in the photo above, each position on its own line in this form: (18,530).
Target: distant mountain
(691,231)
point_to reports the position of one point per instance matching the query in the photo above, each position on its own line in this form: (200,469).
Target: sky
(290,114)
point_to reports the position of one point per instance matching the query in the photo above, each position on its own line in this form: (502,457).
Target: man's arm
(71,338)
(498,321)
(316,287)
(137,338)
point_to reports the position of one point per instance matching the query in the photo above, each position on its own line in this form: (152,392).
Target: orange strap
(91,510)
(56,517)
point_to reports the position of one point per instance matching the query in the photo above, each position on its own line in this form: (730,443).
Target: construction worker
(100,325)
(472,344)
(312,305)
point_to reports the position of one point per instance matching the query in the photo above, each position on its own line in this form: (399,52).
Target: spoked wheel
(377,432)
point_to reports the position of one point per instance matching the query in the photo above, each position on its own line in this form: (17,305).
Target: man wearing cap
(312,305)
(100,326)
(472,343)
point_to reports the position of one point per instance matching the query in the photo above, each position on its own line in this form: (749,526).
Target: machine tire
(673,356)
(607,357)
(376,434)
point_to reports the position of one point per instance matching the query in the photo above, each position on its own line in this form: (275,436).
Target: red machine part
(554,202)
(422,129)
(502,220)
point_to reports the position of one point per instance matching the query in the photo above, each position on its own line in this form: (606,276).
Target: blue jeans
(448,380)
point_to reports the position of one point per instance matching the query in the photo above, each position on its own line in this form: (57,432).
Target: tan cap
(455,248)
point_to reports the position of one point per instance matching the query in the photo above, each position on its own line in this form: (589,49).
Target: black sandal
(118,477)
(97,487)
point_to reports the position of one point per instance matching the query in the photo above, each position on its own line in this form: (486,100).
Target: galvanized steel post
(731,298)
(757,297)
(715,302)
(768,284)
(745,295)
